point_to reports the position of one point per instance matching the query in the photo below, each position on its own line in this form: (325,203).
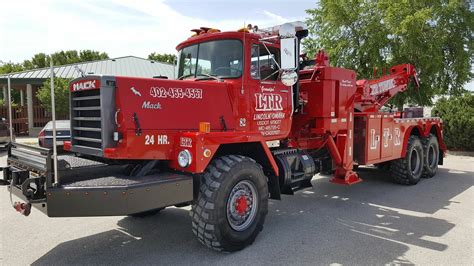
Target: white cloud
(120,28)
(275,17)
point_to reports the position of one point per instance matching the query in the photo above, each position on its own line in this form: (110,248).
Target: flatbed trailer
(245,121)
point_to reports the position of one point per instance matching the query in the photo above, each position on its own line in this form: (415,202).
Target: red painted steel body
(338,113)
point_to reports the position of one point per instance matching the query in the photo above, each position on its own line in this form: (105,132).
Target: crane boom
(373,94)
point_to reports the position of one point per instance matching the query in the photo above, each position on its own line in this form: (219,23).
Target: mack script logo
(148,105)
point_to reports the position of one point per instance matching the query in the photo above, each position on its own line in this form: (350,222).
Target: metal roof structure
(130,66)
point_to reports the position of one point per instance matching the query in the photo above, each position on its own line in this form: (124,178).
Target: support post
(29,105)
(4,94)
(10,116)
(53,116)
(22,101)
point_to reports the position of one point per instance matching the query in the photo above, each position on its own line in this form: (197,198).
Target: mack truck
(245,120)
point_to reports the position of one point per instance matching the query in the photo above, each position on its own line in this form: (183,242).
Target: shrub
(61,96)
(457,113)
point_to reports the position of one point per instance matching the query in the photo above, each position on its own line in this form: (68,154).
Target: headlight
(184,158)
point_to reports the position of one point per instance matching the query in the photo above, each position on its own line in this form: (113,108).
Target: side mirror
(289,77)
(288,53)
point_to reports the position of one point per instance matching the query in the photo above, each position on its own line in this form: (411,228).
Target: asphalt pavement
(373,222)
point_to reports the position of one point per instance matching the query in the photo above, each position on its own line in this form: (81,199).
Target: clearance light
(204,127)
(196,32)
(207,153)
(109,152)
(204,30)
(67,146)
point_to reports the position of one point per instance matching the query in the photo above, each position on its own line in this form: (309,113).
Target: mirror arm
(273,58)
(278,70)
(269,38)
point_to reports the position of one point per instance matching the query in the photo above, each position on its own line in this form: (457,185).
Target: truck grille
(86,119)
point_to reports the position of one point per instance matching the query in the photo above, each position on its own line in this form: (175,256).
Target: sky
(124,27)
(127,27)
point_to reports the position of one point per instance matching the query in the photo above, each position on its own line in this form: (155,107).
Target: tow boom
(373,94)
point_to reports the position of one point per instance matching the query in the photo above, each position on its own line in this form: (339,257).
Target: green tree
(90,55)
(63,58)
(10,67)
(37,61)
(164,58)
(41,60)
(61,95)
(457,113)
(435,36)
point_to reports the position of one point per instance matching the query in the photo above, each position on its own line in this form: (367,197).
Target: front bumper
(111,195)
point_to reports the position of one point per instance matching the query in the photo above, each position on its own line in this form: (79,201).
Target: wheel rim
(432,157)
(415,163)
(242,205)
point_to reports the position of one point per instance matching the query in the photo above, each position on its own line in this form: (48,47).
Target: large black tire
(212,218)
(431,156)
(146,213)
(408,170)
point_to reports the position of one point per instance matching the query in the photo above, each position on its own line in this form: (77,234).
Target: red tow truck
(246,120)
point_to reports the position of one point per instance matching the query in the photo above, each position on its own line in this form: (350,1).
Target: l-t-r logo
(375,139)
(396,132)
(386,137)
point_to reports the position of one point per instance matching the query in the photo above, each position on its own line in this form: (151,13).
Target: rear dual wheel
(431,158)
(408,170)
(421,160)
(232,203)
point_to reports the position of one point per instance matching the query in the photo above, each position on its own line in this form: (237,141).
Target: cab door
(271,100)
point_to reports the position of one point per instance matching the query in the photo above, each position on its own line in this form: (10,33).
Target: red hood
(173,104)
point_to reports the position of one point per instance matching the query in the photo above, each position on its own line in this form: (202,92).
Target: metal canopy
(122,66)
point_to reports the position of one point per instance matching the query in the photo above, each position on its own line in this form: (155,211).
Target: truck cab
(227,81)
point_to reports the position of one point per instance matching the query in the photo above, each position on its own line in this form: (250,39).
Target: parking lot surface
(374,222)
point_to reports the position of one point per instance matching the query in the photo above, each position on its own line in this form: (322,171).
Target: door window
(264,65)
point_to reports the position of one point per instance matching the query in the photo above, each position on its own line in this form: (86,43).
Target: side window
(263,65)
(188,59)
(254,68)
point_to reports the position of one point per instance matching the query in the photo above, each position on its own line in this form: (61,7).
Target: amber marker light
(207,153)
(204,127)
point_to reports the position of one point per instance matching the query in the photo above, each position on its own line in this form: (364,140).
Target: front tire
(232,203)
(408,170)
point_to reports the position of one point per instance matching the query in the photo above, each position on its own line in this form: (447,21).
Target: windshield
(222,58)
